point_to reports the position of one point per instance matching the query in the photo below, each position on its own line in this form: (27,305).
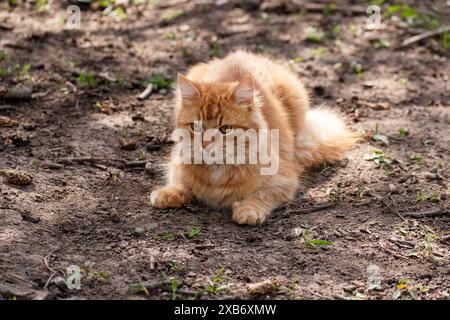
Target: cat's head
(223,109)
(222,106)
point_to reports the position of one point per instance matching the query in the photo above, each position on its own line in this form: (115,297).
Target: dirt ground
(95,153)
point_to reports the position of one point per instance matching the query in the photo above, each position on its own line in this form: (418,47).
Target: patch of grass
(142,155)
(403,133)
(379,157)
(427,197)
(175,265)
(113,176)
(4,73)
(119,12)
(172,15)
(25,69)
(2,55)
(165,236)
(42,5)
(171,35)
(428,243)
(381,43)
(355,30)
(329,9)
(412,17)
(139,288)
(72,64)
(35,162)
(194,232)
(159,81)
(174,287)
(403,81)
(416,158)
(215,51)
(122,81)
(264,16)
(100,276)
(217,283)
(360,191)
(313,35)
(25,72)
(336,30)
(104,3)
(294,61)
(358,69)
(317,243)
(377,2)
(405,289)
(16,70)
(445,40)
(309,241)
(103,107)
(86,80)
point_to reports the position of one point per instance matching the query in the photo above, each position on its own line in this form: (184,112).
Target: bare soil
(96,152)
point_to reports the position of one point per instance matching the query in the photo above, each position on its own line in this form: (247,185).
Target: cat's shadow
(310,179)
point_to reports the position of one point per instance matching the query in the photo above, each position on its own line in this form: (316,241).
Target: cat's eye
(225,128)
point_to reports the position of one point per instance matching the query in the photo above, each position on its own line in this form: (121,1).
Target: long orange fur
(276,99)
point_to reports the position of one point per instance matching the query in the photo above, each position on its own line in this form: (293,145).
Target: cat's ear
(243,93)
(187,88)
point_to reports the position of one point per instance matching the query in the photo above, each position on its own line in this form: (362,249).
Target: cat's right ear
(187,88)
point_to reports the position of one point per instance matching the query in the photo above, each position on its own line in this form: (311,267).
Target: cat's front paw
(248,215)
(168,198)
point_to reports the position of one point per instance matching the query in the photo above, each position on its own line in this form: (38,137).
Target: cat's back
(234,67)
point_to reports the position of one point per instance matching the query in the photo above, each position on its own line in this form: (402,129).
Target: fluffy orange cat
(248,91)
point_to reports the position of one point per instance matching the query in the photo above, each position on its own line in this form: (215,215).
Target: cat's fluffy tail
(324,138)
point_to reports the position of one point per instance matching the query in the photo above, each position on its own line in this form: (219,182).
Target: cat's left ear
(243,93)
(188,89)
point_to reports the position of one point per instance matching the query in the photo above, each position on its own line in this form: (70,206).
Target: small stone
(294,233)
(149,167)
(89,264)
(123,244)
(139,230)
(393,188)
(59,282)
(432,176)
(53,166)
(265,287)
(115,217)
(350,288)
(127,144)
(17,177)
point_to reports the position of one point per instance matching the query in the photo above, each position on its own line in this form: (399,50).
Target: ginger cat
(248,91)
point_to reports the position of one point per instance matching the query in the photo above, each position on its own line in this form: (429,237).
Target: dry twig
(424,35)
(429,213)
